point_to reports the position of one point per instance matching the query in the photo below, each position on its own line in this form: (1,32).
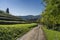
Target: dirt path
(35,34)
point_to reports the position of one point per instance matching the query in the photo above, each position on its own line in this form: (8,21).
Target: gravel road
(34,34)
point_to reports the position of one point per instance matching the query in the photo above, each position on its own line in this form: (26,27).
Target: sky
(22,7)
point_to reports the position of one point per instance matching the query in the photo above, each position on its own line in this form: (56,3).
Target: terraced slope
(6,17)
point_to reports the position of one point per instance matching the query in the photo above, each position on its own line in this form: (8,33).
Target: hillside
(30,18)
(7,16)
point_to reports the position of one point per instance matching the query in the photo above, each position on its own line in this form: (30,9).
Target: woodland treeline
(51,14)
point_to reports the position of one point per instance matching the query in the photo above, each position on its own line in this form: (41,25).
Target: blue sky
(22,7)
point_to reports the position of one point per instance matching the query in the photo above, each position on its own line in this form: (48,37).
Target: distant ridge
(30,17)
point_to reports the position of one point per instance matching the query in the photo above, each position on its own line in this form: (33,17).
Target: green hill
(6,17)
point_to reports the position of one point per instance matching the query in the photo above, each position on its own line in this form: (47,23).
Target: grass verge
(51,34)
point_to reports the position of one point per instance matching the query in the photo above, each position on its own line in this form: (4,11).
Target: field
(13,31)
(51,34)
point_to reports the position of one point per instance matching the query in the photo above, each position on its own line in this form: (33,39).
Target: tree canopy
(51,14)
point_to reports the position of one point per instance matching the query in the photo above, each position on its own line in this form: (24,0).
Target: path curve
(34,34)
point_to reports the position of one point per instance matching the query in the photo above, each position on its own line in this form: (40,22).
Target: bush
(12,32)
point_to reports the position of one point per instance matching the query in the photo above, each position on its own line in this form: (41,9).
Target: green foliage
(51,15)
(51,34)
(13,31)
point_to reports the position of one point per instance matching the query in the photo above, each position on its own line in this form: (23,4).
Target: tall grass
(12,32)
(51,34)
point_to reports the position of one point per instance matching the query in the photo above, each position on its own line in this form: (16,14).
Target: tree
(51,15)
(7,10)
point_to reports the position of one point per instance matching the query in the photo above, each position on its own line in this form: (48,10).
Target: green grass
(12,32)
(51,34)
